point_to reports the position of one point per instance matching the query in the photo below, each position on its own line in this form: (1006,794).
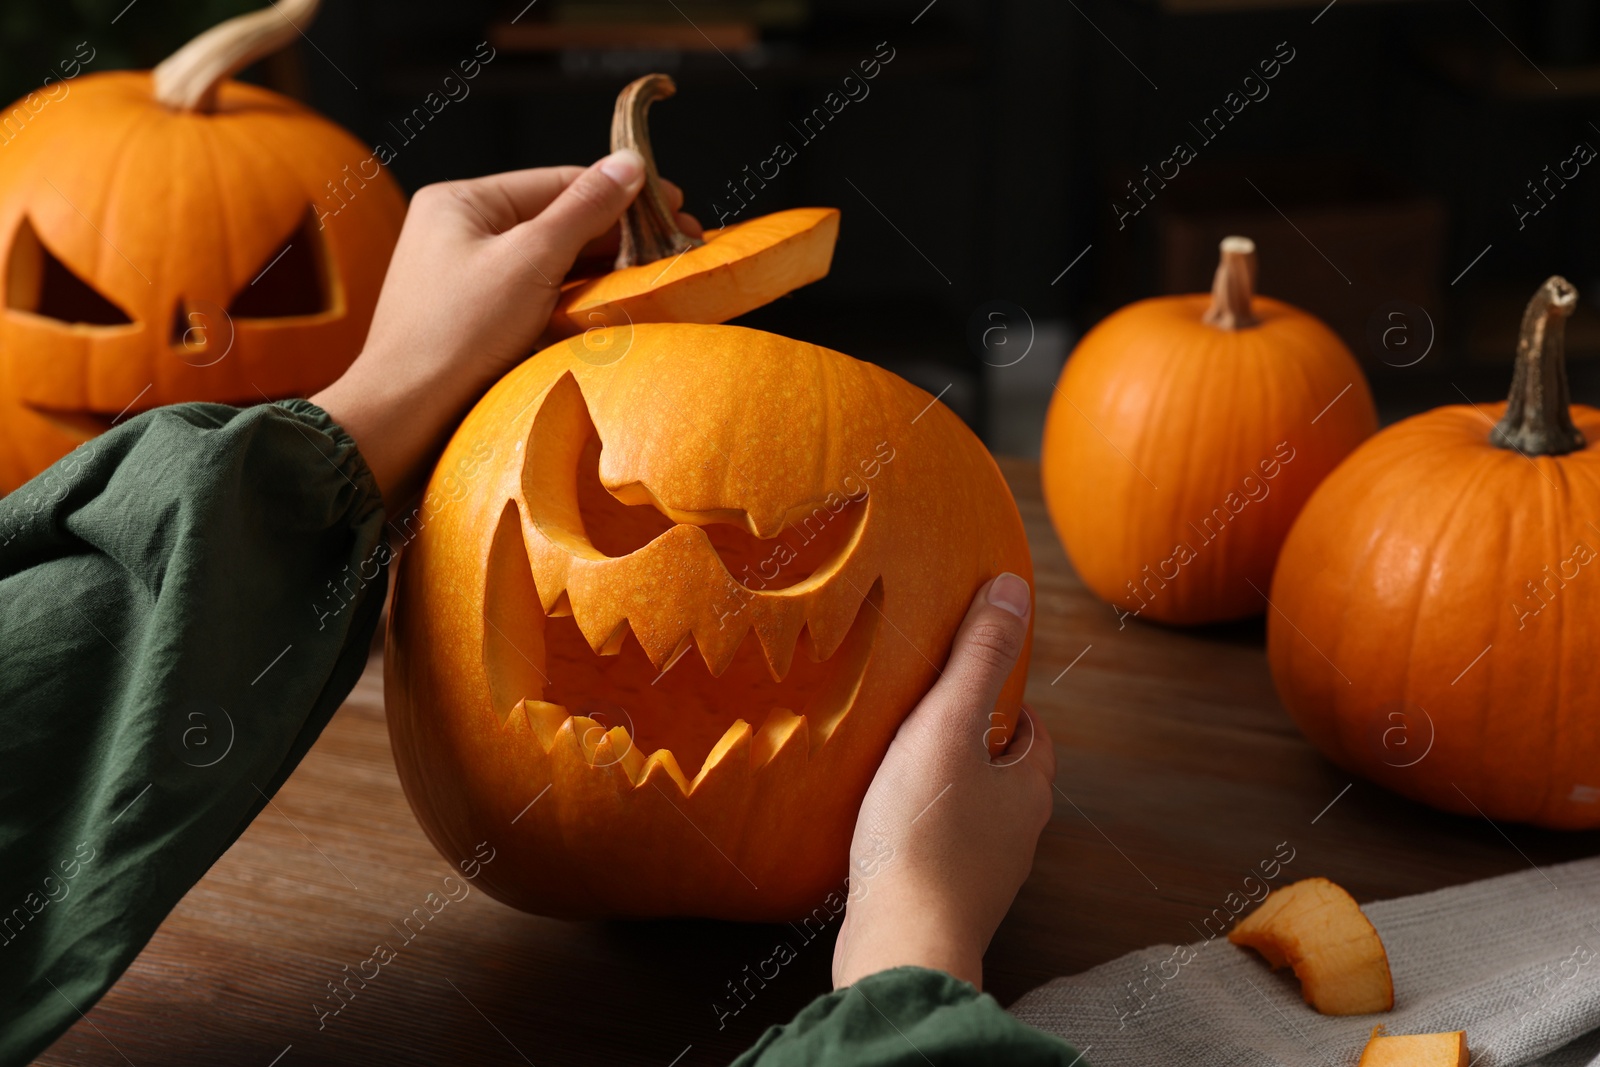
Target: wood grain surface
(1179,773)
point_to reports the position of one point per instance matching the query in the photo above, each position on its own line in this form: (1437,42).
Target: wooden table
(1179,773)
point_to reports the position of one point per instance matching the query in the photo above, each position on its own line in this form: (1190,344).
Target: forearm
(399,448)
(919,937)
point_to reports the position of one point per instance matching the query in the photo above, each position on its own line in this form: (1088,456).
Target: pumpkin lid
(730,271)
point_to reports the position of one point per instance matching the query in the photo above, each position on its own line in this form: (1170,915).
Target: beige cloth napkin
(1514,961)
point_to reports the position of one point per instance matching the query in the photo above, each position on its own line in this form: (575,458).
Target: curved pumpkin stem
(1234,286)
(189,78)
(1538,418)
(650,227)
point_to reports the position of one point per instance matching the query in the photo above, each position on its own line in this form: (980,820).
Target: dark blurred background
(1384,171)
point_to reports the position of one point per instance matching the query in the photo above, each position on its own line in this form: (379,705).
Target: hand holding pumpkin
(946,834)
(474,278)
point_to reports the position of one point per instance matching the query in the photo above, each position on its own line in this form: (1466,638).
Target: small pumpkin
(663,615)
(1435,600)
(1185,434)
(664,275)
(175,235)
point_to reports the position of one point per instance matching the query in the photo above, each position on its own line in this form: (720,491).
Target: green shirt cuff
(906,1017)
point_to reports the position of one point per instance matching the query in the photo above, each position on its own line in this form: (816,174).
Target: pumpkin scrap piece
(1318,929)
(731,271)
(1415,1050)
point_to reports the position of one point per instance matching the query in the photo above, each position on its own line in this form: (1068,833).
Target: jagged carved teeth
(684,648)
(689,721)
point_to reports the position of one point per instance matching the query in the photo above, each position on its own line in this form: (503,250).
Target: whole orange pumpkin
(1435,602)
(1184,436)
(170,235)
(664,610)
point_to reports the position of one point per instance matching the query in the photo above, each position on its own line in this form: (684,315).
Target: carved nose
(190,329)
(202,332)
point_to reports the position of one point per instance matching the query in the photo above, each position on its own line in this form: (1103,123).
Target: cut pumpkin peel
(1318,929)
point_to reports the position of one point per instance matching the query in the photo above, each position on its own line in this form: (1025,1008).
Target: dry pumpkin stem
(650,226)
(1234,286)
(1538,418)
(188,79)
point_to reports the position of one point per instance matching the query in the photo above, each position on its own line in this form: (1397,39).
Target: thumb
(588,207)
(982,657)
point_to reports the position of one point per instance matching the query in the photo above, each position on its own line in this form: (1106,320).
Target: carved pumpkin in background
(1184,436)
(161,242)
(693,592)
(1435,601)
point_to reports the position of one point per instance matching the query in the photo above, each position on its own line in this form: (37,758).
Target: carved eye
(618,523)
(39,283)
(296,279)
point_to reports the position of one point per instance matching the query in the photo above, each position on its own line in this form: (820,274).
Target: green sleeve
(184,602)
(907,1017)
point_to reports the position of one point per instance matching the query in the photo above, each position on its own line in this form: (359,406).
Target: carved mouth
(78,424)
(762,648)
(691,715)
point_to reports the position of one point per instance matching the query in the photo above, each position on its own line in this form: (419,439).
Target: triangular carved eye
(568,501)
(38,282)
(294,280)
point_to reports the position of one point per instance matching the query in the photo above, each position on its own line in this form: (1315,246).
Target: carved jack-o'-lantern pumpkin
(666,609)
(171,235)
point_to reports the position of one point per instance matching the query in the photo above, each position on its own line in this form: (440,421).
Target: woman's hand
(946,835)
(471,286)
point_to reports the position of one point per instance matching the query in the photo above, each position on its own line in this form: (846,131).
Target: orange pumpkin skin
(170,215)
(741,436)
(1176,454)
(1411,560)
